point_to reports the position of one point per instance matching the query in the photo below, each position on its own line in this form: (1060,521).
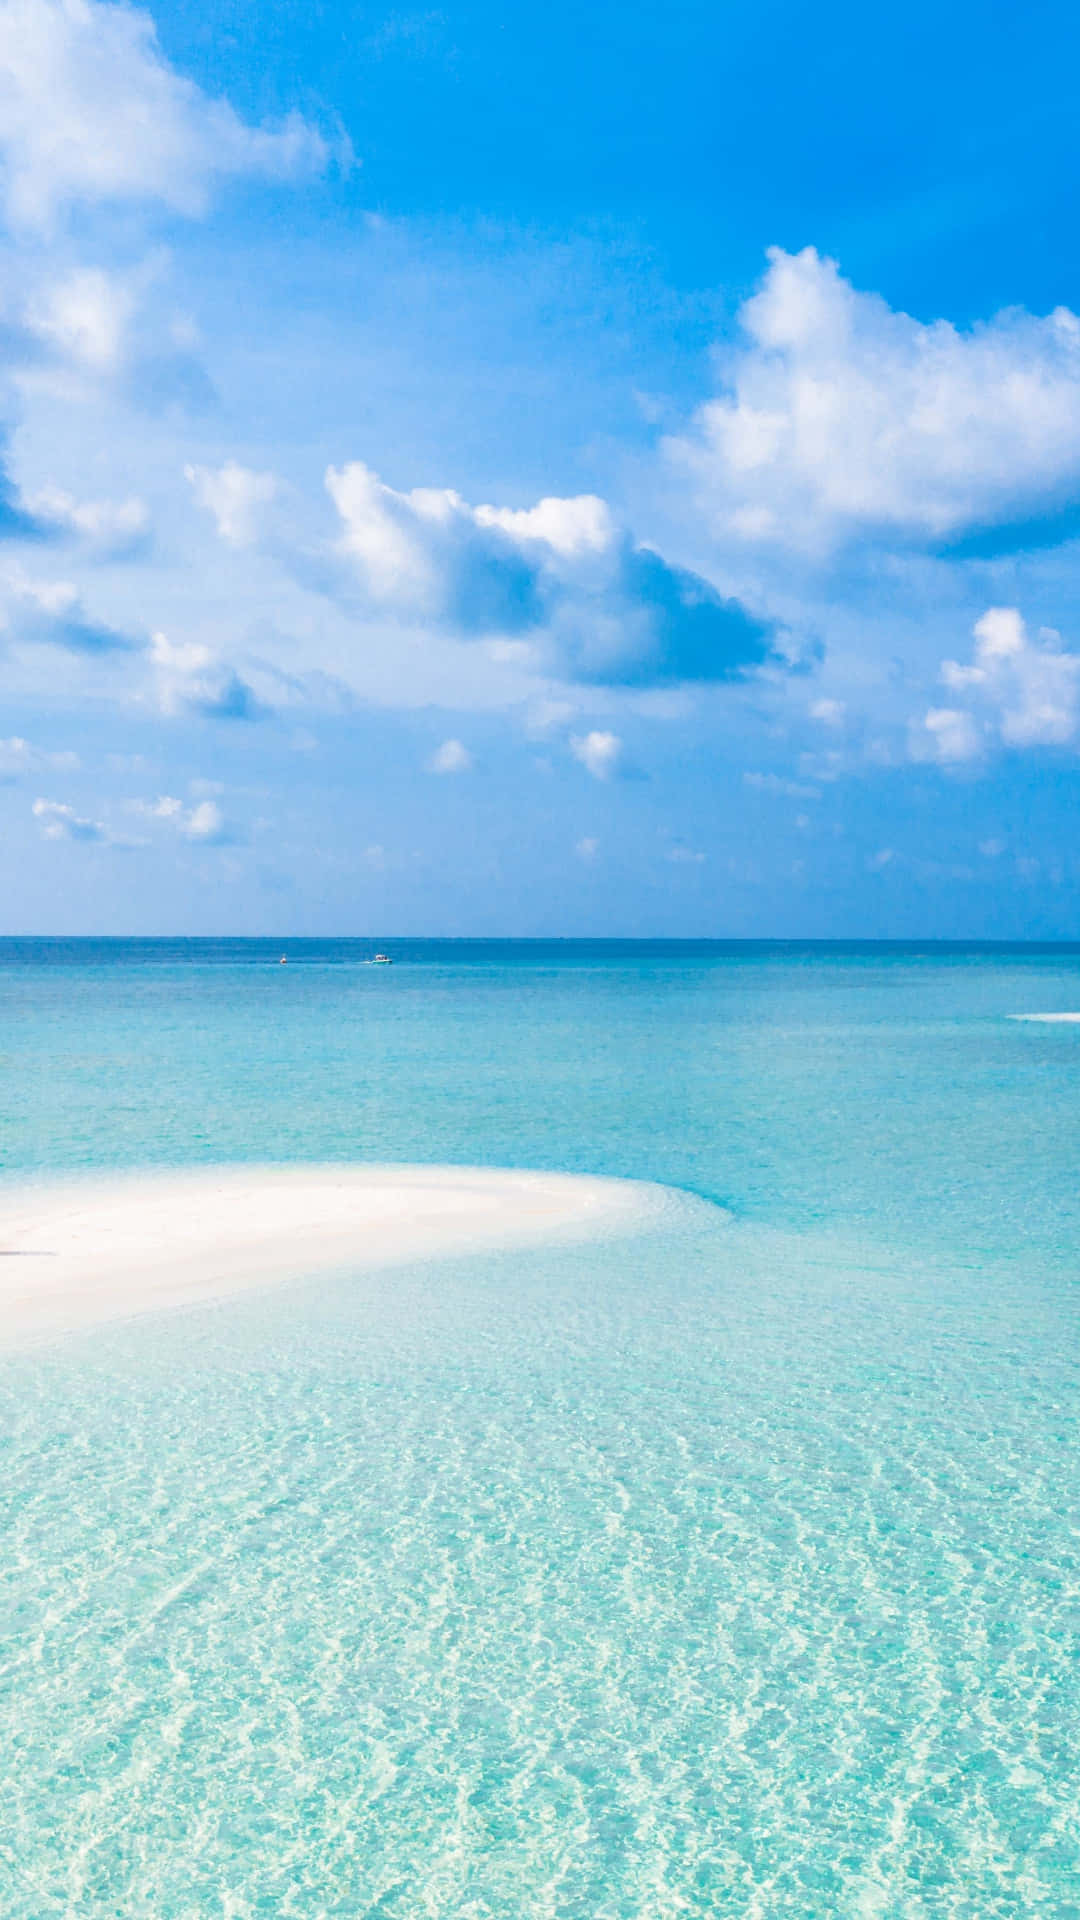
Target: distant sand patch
(82,1251)
(1050,1019)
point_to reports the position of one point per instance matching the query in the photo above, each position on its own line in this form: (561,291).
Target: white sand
(84,1251)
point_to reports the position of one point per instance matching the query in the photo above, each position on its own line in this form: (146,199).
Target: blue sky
(478,471)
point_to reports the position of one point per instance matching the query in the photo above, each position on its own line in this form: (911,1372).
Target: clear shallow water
(730,1569)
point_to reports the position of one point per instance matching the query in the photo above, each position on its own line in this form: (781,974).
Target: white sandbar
(84,1251)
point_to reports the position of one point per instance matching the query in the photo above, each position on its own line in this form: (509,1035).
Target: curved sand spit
(84,1251)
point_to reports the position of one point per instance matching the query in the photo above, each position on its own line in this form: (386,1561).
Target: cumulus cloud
(452,757)
(191,679)
(839,416)
(599,753)
(562,575)
(203,823)
(91,111)
(1034,684)
(61,822)
(236,496)
(1016,692)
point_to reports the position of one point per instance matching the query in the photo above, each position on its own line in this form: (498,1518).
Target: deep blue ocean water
(732,1568)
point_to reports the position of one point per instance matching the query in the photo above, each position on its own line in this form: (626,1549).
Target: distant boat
(284,961)
(382,960)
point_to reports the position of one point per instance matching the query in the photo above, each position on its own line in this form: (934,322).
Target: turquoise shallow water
(729,1569)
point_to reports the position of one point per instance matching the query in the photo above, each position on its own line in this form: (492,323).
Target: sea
(725,1567)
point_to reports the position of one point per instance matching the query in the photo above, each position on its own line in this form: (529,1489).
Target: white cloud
(106,527)
(685,857)
(61,822)
(235,495)
(203,822)
(546,713)
(599,753)
(829,712)
(84,316)
(593,605)
(839,415)
(571,527)
(190,678)
(451,757)
(18,756)
(587,849)
(90,111)
(1027,690)
(428,553)
(51,612)
(948,735)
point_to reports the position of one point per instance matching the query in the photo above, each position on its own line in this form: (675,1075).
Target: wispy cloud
(106,529)
(18,756)
(779,783)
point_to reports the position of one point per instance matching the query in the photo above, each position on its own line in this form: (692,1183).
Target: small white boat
(382,960)
(284,961)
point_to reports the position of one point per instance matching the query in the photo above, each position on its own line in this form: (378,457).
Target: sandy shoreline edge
(77,1252)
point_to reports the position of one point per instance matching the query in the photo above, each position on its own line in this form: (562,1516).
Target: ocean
(730,1567)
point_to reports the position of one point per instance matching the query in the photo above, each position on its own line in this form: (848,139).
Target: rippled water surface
(732,1568)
